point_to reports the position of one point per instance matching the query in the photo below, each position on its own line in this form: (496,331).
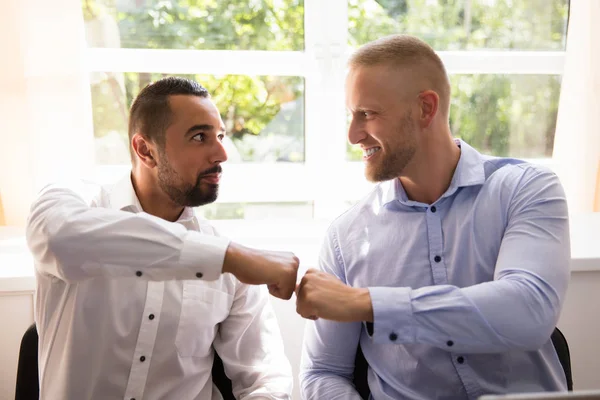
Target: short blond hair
(403,51)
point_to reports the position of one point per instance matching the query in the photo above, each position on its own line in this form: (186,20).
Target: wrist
(231,260)
(363,306)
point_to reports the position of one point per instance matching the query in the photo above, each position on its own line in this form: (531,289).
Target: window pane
(503,115)
(198,24)
(257,211)
(264,115)
(463,24)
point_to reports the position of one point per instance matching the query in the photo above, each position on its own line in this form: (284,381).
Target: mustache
(214,170)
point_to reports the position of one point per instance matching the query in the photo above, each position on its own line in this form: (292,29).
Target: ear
(429,102)
(144,150)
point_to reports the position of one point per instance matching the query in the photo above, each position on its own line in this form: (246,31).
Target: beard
(185,194)
(392,161)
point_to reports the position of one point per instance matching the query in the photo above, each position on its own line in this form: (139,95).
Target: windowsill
(302,237)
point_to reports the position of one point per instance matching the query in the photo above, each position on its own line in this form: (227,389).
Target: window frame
(325,177)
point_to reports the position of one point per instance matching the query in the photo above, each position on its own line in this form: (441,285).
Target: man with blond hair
(451,273)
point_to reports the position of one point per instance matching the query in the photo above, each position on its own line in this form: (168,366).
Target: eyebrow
(203,127)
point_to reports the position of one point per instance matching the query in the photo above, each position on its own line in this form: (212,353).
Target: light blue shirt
(466,291)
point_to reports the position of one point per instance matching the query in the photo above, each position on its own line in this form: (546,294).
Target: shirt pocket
(202,309)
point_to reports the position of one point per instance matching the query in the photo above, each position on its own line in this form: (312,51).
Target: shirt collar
(123,197)
(469,172)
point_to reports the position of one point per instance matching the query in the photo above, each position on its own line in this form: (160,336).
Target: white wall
(580,322)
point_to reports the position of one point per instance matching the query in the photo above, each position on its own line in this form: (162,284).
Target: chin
(377,175)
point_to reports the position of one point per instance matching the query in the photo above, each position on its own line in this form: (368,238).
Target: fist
(285,266)
(277,269)
(321,295)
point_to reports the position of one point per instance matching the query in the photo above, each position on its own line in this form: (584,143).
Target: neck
(430,172)
(153,200)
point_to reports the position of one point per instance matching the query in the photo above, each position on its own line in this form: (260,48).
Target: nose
(219,153)
(356,132)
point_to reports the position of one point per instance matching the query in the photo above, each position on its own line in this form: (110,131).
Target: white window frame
(325,178)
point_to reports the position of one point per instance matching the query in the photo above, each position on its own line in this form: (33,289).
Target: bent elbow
(534,335)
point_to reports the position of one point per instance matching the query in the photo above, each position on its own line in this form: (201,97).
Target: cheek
(182,166)
(381,131)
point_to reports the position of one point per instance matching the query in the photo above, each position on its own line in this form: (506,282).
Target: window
(276,67)
(463,24)
(263,115)
(195,25)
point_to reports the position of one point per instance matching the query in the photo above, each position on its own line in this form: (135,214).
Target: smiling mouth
(368,153)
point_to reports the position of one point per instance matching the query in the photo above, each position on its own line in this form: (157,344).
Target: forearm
(316,385)
(490,317)
(74,241)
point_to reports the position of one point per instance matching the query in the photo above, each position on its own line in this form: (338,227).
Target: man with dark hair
(452,271)
(134,291)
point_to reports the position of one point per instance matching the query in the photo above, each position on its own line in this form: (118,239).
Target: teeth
(371,151)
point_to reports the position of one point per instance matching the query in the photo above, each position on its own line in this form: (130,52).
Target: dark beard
(187,195)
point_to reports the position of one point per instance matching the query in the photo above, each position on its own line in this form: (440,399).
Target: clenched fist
(321,295)
(277,269)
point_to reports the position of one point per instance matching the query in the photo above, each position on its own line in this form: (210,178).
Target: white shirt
(129,306)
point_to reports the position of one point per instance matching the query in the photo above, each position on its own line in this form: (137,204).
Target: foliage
(501,115)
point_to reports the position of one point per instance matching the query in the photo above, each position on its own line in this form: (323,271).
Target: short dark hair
(150,113)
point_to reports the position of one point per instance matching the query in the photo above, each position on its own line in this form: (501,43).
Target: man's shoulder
(89,191)
(504,172)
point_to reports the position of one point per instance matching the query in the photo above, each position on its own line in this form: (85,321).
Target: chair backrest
(27,370)
(559,341)
(220,379)
(361,369)
(564,355)
(27,387)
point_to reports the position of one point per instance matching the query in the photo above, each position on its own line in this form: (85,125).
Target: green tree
(248,104)
(501,115)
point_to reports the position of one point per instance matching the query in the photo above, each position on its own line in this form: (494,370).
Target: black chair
(558,340)
(564,355)
(28,387)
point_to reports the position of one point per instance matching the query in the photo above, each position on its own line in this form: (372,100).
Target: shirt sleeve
(249,343)
(73,241)
(329,348)
(518,310)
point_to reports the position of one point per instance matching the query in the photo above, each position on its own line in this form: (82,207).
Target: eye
(221,137)
(200,137)
(363,114)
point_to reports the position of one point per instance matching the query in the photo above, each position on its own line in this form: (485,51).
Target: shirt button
(460,360)
(433,209)
(151,317)
(450,343)
(139,273)
(142,358)
(393,337)
(198,274)
(437,258)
